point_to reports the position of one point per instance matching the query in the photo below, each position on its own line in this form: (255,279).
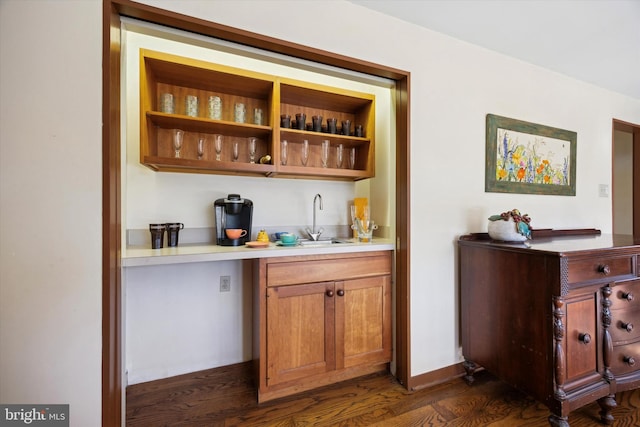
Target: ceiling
(596,41)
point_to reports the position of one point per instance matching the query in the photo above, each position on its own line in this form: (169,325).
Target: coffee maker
(233,212)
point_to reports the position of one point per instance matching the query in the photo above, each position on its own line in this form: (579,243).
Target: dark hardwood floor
(226,397)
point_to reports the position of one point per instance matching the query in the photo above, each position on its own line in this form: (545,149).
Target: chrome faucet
(313,234)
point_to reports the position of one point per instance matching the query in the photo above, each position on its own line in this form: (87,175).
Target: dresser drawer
(596,268)
(626,296)
(626,359)
(625,326)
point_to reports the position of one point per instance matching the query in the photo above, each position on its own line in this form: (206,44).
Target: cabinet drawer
(599,268)
(626,296)
(297,272)
(625,326)
(626,359)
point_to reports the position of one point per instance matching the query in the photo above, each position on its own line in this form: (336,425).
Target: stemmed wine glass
(339,151)
(235,151)
(217,138)
(178,136)
(252,150)
(325,153)
(283,152)
(304,152)
(201,147)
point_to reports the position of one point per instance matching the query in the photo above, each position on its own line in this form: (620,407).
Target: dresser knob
(340,293)
(329,293)
(585,338)
(628,296)
(627,326)
(604,269)
(629,360)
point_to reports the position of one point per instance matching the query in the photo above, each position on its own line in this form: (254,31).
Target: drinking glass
(235,151)
(304,152)
(325,153)
(352,158)
(252,150)
(218,144)
(178,136)
(339,151)
(201,147)
(283,152)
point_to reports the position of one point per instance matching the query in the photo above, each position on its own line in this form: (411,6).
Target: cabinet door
(582,339)
(363,321)
(300,331)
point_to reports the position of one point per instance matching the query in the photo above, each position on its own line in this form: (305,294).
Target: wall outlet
(225,283)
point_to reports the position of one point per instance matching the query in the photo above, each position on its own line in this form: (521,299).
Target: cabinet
(273,96)
(554,318)
(320,319)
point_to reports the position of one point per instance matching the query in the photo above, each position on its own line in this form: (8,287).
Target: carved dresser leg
(470,368)
(556,421)
(607,404)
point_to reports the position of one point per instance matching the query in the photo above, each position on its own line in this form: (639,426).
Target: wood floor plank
(225,397)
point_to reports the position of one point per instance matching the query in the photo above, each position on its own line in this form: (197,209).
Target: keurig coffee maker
(233,212)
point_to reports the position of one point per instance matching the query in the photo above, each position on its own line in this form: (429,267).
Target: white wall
(50,71)
(50,205)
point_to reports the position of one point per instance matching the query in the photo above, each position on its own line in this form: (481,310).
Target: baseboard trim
(436,377)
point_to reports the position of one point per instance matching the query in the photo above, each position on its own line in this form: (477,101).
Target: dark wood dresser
(556,317)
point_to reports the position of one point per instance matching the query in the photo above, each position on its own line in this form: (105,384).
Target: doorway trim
(634,129)
(112,392)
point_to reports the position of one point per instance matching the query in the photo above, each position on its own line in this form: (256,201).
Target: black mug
(172,233)
(157,235)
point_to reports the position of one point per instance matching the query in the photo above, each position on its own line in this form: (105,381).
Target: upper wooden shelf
(162,73)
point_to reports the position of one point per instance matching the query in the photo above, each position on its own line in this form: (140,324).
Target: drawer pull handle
(627,326)
(340,293)
(329,293)
(585,338)
(604,269)
(629,360)
(628,296)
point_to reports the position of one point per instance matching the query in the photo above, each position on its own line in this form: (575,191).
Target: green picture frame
(529,158)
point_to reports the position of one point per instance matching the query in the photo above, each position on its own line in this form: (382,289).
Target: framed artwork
(528,158)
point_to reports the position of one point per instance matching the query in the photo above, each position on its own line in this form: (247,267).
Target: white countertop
(144,256)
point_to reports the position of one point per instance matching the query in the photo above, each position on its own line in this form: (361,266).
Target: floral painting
(525,157)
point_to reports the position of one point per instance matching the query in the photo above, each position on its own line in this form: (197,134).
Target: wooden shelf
(163,73)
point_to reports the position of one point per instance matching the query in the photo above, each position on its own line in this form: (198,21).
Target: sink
(326,241)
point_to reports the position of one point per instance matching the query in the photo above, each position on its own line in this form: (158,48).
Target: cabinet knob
(604,269)
(629,360)
(329,293)
(340,293)
(627,326)
(585,338)
(628,296)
